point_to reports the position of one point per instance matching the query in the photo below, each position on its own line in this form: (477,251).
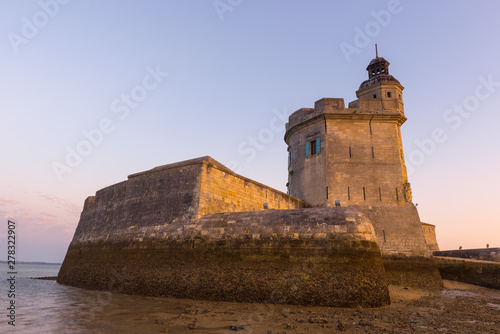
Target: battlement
(334,108)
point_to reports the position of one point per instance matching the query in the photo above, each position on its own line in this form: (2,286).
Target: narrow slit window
(350,152)
(383,231)
(364,194)
(326,192)
(348,194)
(397,195)
(373,153)
(380,194)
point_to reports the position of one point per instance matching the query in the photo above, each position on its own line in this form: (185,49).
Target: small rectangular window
(374,96)
(313,147)
(388,94)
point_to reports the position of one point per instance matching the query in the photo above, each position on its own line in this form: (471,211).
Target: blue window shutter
(307,149)
(318,145)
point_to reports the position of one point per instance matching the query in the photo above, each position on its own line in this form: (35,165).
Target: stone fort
(345,230)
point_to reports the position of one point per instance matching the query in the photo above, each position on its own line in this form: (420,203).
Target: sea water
(44,306)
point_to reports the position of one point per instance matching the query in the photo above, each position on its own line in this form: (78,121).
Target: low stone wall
(412,271)
(484,254)
(327,257)
(481,273)
(430,236)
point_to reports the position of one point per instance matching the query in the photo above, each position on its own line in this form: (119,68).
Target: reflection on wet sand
(459,308)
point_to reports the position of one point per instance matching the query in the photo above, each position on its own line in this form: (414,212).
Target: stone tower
(351,156)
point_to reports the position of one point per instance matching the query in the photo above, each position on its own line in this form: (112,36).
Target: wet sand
(459,308)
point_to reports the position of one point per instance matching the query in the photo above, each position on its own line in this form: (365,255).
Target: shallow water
(44,306)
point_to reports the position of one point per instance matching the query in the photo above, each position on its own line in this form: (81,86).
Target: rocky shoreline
(459,308)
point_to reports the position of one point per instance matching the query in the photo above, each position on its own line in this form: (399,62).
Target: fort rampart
(149,236)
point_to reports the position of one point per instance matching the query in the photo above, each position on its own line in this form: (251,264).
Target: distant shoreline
(22,262)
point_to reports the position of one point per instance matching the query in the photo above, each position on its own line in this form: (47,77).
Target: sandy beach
(459,308)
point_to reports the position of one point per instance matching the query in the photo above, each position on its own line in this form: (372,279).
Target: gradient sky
(234,69)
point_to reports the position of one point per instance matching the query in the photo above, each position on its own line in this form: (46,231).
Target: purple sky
(166,81)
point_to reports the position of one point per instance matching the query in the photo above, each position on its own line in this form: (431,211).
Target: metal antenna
(376,50)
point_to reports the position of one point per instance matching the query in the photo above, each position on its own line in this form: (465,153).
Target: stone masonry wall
(365,162)
(475,272)
(155,204)
(430,236)
(222,190)
(407,257)
(307,178)
(146,205)
(361,160)
(398,229)
(324,257)
(482,254)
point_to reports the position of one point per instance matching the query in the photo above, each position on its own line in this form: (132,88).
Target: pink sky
(207,82)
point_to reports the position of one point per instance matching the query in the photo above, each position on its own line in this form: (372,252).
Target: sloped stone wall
(326,256)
